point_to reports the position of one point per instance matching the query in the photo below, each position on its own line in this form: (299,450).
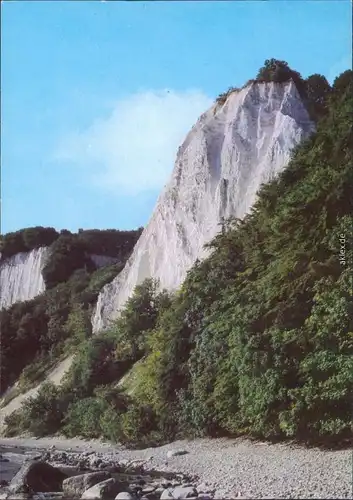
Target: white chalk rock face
(21,277)
(219,168)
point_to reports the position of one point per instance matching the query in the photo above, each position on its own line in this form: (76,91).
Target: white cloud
(134,148)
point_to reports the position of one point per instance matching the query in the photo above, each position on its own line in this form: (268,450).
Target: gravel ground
(237,468)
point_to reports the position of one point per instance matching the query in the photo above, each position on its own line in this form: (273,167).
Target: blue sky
(97,96)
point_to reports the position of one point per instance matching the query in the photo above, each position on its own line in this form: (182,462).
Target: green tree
(318,89)
(138,319)
(343,82)
(278,71)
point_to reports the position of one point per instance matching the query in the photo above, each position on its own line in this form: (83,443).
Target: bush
(34,372)
(41,415)
(138,319)
(14,425)
(110,425)
(138,425)
(94,365)
(221,99)
(98,415)
(94,417)
(78,325)
(83,418)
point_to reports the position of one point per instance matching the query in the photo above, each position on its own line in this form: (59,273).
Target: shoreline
(60,442)
(235,468)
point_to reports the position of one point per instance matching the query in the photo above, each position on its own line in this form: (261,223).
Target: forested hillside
(258,340)
(35,333)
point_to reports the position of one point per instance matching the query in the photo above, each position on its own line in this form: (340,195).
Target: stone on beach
(76,485)
(103,490)
(37,476)
(124,495)
(179,493)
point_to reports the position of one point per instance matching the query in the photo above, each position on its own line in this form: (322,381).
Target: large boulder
(179,493)
(37,476)
(106,490)
(74,486)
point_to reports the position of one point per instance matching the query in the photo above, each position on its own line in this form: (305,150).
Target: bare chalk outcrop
(228,154)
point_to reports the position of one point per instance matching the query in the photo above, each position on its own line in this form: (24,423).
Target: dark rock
(37,476)
(3,483)
(136,490)
(74,486)
(82,465)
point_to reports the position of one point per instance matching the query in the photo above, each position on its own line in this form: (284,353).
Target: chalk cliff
(228,154)
(21,276)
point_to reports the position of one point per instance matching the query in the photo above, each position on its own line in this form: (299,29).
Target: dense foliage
(89,403)
(258,340)
(35,332)
(26,240)
(71,252)
(93,241)
(277,71)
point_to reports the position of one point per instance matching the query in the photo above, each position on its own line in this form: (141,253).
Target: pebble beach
(226,468)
